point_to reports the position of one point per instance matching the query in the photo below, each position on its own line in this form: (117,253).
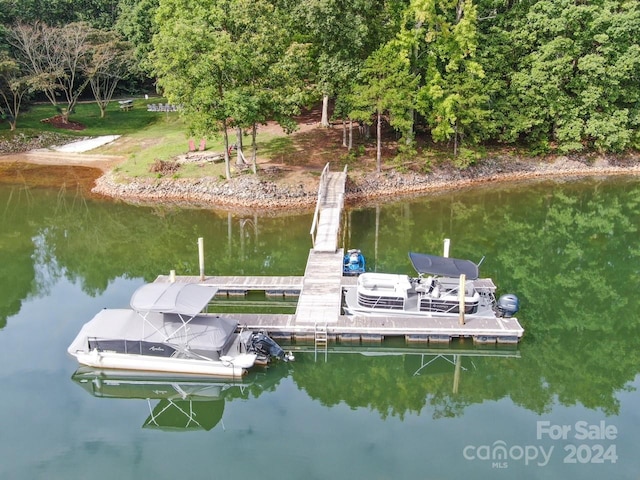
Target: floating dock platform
(318,317)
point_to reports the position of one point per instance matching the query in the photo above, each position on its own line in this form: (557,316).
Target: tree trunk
(366,129)
(254,148)
(324,121)
(455,140)
(379,143)
(239,157)
(227,161)
(350,147)
(344,133)
(239,138)
(411,133)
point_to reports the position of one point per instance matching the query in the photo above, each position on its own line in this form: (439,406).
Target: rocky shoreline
(250,193)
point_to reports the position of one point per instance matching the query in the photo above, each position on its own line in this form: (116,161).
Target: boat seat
(425,285)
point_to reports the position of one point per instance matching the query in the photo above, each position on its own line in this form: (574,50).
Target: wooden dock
(318,317)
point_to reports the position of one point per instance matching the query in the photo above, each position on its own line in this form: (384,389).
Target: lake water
(564,404)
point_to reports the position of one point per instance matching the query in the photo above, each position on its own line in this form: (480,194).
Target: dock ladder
(320,340)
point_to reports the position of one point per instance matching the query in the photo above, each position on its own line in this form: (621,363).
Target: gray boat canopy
(180,298)
(443,266)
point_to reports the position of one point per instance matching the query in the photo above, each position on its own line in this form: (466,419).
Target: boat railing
(381,301)
(447,299)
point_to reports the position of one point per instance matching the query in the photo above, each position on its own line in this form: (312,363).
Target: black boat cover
(443,266)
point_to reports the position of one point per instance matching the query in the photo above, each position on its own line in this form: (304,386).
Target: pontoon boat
(438,294)
(166,331)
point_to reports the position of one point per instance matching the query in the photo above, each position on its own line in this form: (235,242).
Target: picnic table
(126,105)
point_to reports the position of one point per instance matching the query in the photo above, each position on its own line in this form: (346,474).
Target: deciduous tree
(14,86)
(109,61)
(54,56)
(452,98)
(386,87)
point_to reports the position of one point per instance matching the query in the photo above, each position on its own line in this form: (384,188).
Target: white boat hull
(236,367)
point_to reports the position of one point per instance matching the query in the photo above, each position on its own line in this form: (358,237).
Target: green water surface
(563,404)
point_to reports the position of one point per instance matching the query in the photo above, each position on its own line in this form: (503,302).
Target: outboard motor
(263,344)
(508,305)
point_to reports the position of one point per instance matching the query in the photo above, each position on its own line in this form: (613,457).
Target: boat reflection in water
(176,403)
(415,379)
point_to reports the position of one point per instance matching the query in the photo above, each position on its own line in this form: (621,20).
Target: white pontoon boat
(438,294)
(166,331)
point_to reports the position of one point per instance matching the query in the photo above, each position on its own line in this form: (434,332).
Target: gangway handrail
(321,188)
(342,193)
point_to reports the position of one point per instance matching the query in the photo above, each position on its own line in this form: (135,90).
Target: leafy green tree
(343,33)
(265,90)
(137,25)
(98,13)
(386,86)
(197,67)
(225,65)
(564,73)
(452,98)
(14,87)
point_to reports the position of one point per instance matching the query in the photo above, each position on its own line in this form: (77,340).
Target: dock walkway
(320,290)
(321,295)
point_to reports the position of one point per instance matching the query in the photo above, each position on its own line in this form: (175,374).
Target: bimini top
(180,298)
(443,266)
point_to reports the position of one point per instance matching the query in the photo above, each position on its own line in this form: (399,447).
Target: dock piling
(201,256)
(461,294)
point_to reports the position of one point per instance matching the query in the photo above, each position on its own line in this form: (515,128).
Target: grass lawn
(146,136)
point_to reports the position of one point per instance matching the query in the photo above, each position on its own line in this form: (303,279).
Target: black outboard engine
(261,343)
(508,305)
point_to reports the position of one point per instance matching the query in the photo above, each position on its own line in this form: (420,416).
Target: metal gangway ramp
(321,295)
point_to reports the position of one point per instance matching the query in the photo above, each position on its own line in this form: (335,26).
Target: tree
(98,13)
(452,98)
(54,57)
(136,24)
(565,73)
(386,87)
(109,62)
(343,33)
(196,67)
(229,66)
(14,86)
